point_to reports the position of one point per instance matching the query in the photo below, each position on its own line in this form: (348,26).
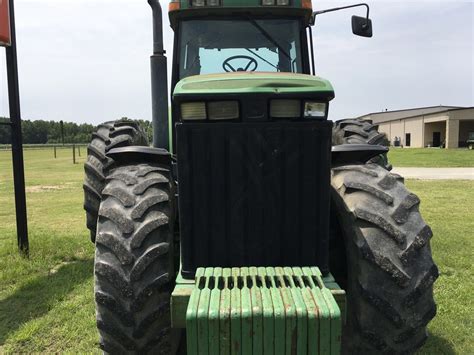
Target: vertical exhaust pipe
(159,81)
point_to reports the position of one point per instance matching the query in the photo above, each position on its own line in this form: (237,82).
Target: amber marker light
(174,5)
(307,4)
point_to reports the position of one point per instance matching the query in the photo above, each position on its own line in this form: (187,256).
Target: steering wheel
(229,68)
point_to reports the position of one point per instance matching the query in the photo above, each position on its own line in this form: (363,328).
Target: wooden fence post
(55,152)
(74,154)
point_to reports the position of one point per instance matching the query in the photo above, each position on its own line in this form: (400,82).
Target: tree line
(49,132)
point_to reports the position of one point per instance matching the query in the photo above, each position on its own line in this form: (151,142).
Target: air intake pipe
(159,81)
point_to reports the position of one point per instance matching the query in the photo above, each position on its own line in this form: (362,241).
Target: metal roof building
(432,126)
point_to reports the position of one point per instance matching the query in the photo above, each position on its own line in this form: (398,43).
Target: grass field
(46,302)
(431,157)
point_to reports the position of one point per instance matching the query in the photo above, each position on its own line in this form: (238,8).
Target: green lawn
(431,157)
(46,302)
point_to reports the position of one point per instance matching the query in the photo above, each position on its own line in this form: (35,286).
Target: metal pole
(159,81)
(61,124)
(17,142)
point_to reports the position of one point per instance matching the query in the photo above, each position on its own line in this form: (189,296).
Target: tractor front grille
(253,194)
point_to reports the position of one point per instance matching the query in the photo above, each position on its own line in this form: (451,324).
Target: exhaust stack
(159,81)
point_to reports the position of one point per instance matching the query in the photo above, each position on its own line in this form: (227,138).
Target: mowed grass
(47,305)
(46,301)
(431,157)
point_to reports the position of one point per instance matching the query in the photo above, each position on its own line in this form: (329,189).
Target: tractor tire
(389,268)
(108,135)
(134,271)
(357,131)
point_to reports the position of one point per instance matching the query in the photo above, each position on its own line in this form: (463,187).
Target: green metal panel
(257,312)
(324,314)
(215,303)
(268,314)
(224,314)
(191,317)
(246,311)
(262,311)
(235,318)
(253,83)
(301,311)
(278,313)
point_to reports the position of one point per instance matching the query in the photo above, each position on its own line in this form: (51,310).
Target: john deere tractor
(244,229)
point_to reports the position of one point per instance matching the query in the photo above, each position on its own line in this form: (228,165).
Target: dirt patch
(43,188)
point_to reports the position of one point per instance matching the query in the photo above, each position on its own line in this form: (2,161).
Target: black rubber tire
(134,272)
(358,131)
(108,135)
(390,271)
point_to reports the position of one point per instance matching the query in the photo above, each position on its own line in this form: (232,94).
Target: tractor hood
(253,83)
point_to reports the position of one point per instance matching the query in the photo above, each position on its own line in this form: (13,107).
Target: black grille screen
(253,194)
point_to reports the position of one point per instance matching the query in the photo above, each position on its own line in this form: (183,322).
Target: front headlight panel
(211,110)
(315,110)
(298,109)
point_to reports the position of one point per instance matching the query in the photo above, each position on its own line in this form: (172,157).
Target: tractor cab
(225,37)
(242,44)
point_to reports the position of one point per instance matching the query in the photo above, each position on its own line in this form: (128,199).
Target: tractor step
(271,310)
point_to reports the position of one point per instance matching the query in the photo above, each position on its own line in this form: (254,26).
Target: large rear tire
(358,131)
(389,268)
(108,135)
(134,271)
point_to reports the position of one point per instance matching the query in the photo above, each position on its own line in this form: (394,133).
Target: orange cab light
(307,4)
(174,5)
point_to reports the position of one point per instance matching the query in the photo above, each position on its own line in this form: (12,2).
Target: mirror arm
(316,13)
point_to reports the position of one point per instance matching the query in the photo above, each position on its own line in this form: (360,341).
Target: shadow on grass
(37,297)
(436,345)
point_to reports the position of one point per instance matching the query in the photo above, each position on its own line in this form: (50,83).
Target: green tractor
(254,225)
(470,141)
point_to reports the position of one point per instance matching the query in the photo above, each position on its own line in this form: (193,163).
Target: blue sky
(87,60)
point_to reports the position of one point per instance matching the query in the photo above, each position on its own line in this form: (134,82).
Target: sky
(88,60)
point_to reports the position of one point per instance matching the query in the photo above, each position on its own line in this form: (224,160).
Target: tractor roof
(186,9)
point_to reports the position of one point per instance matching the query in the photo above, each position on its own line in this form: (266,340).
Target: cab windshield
(217,46)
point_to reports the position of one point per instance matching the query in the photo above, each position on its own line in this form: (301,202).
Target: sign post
(8,39)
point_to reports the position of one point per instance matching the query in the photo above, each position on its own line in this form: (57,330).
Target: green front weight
(260,311)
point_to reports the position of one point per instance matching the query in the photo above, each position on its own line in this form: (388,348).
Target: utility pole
(17,140)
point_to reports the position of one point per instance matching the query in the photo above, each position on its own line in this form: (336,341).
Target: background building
(426,126)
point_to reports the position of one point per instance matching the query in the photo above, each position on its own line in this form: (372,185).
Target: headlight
(223,110)
(198,3)
(193,111)
(315,109)
(216,110)
(285,108)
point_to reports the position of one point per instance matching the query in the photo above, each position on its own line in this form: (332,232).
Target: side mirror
(361,26)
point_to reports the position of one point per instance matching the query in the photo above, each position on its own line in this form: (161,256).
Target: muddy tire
(389,268)
(357,131)
(108,135)
(133,261)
